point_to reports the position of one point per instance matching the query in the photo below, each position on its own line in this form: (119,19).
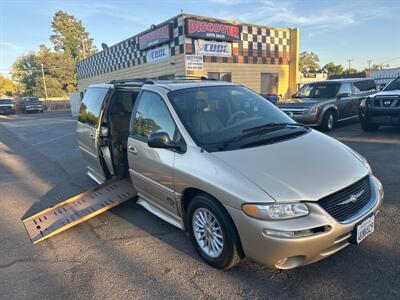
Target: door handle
(132,150)
(91,135)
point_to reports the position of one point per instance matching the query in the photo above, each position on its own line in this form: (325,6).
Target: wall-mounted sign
(211,48)
(156,37)
(157,54)
(194,62)
(211,30)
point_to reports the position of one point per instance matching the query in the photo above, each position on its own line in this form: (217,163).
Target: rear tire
(328,121)
(369,127)
(212,232)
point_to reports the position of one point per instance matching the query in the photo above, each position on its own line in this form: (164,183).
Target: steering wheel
(232,118)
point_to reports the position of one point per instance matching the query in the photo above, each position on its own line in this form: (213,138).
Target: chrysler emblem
(352,199)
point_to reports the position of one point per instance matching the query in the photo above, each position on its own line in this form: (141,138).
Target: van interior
(118,116)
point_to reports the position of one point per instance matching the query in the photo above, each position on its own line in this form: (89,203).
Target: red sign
(155,37)
(211,30)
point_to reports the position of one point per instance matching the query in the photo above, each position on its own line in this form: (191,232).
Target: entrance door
(269,83)
(151,169)
(88,129)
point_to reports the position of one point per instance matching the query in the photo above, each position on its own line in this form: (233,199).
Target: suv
(224,164)
(326,102)
(7,106)
(382,108)
(31,104)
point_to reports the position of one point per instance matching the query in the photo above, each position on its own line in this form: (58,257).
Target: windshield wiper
(272,126)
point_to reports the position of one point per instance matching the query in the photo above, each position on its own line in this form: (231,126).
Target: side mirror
(161,140)
(294,95)
(343,95)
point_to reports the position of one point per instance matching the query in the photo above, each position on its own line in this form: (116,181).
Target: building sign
(157,54)
(211,48)
(194,62)
(155,37)
(211,30)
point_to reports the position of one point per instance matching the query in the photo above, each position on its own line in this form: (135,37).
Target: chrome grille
(336,204)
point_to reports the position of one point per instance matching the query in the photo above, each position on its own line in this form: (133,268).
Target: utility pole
(44,84)
(369,63)
(349,61)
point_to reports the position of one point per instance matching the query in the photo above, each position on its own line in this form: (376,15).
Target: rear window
(365,86)
(91,104)
(5,101)
(31,100)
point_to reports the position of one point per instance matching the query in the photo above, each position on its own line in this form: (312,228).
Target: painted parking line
(53,139)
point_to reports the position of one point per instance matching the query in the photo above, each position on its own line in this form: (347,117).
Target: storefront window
(223,76)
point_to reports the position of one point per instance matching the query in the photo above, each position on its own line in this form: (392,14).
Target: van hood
(306,168)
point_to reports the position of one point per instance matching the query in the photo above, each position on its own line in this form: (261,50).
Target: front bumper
(7,110)
(380,116)
(272,251)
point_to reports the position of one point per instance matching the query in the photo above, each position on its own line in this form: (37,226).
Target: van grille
(338,204)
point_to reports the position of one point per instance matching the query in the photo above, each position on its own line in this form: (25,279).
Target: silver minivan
(224,164)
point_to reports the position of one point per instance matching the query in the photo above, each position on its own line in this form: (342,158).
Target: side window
(151,116)
(345,88)
(91,104)
(365,86)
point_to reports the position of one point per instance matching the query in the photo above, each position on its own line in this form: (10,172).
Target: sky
(336,30)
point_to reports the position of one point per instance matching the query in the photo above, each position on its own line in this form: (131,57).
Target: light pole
(44,83)
(349,61)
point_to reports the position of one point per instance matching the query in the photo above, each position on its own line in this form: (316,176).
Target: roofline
(183,14)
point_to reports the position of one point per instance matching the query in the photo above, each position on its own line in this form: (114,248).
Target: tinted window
(364,86)
(152,115)
(318,90)
(394,85)
(345,88)
(5,101)
(91,104)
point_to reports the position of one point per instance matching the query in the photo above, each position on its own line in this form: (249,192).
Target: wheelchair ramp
(78,209)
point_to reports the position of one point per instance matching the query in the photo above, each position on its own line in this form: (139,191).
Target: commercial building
(263,58)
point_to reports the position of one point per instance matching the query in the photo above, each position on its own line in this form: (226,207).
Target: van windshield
(318,90)
(230,117)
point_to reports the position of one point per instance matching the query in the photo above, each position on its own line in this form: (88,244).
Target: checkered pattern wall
(257,45)
(126,54)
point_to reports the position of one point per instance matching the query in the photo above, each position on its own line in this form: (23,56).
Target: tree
(308,62)
(24,72)
(333,69)
(7,87)
(70,36)
(350,71)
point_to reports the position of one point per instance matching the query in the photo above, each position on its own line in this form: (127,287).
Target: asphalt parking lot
(128,253)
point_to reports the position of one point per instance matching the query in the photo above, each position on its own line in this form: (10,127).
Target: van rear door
(88,128)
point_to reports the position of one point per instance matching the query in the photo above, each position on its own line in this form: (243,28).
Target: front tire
(212,232)
(328,121)
(369,127)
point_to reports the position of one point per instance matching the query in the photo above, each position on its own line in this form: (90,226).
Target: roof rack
(153,80)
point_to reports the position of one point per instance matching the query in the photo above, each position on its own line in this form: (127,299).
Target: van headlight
(311,110)
(275,211)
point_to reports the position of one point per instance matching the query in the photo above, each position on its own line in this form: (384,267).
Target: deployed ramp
(78,209)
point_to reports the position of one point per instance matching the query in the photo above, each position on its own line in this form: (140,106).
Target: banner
(157,54)
(156,37)
(211,48)
(194,62)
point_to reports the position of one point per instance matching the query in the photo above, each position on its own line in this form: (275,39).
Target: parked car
(7,106)
(327,102)
(382,108)
(31,104)
(271,98)
(223,163)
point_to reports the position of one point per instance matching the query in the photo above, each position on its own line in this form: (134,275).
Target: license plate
(364,229)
